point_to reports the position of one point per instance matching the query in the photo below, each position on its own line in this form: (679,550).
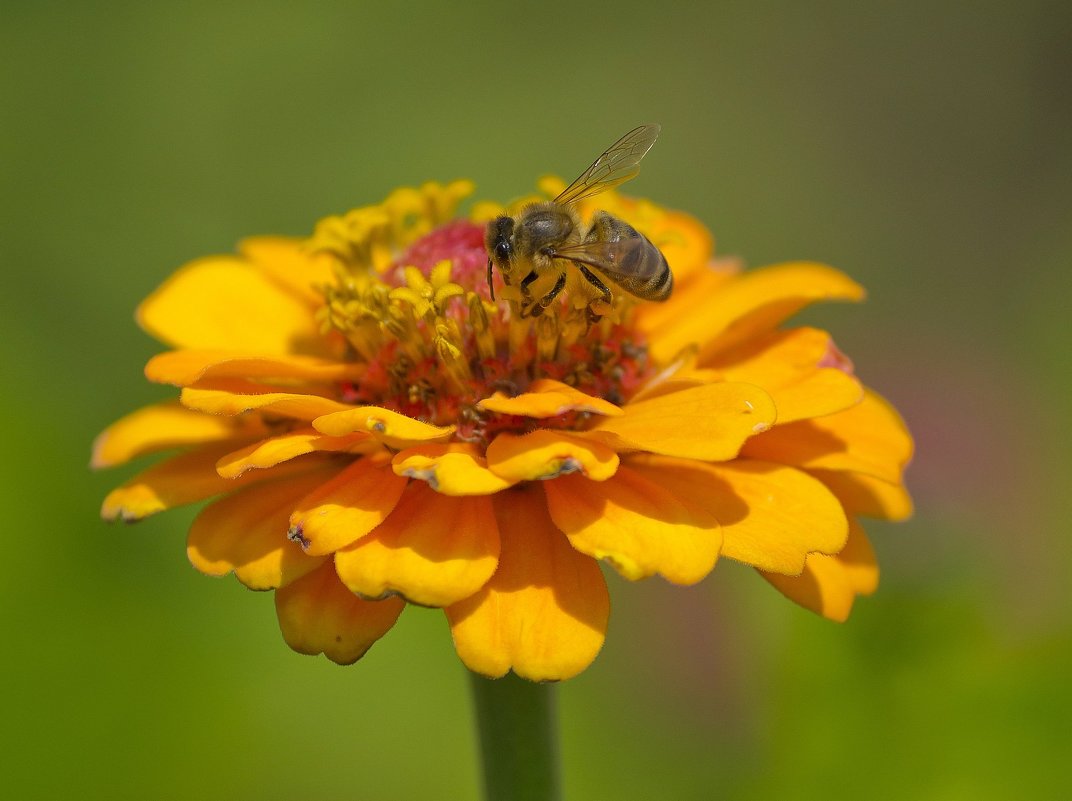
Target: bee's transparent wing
(619,163)
(623,261)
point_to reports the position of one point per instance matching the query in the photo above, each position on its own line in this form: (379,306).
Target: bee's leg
(526,282)
(593,279)
(533,309)
(549,298)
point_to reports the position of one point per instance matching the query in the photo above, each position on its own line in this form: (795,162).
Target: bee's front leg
(537,307)
(526,282)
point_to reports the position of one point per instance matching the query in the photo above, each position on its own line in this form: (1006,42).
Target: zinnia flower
(381,433)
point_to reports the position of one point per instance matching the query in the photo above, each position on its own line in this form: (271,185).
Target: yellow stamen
(478,319)
(546,337)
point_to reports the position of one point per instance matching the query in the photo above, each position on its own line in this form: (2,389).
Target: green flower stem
(518,739)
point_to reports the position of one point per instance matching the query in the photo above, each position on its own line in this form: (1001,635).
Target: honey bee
(545,238)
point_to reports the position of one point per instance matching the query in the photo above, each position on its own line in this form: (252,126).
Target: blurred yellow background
(923,148)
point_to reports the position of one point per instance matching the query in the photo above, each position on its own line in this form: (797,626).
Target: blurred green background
(922,147)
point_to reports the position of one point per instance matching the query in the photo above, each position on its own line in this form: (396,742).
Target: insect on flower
(547,238)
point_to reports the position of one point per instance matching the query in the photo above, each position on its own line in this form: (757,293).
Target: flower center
(435,344)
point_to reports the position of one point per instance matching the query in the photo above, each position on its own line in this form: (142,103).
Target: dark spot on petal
(565,467)
(427,475)
(295,535)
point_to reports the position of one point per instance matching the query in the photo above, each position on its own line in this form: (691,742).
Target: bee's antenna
(491,286)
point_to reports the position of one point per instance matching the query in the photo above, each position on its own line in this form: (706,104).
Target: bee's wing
(619,163)
(622,261)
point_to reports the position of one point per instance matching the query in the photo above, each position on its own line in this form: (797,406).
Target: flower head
(376,431)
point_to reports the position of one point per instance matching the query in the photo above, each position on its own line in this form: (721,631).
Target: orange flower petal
(830,584)
(548,398)
(706,422)
(866,496)
(684,241)
(544,454)
(185,367)
(285,261)
(637,522)
(752,303)
(224,302)
(285,404)
(317,614)
(247,532)
(786,365)
(186,478)
(347,507)
(160,427)
(824,587)
(772,516)
(759,300)
(858,560)
(869,438)
(391,428)
(433,550)
(671,326)
(275,450)
(544,612)
(665,385)
(455,468)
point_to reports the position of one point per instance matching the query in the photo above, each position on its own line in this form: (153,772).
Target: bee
(546,238)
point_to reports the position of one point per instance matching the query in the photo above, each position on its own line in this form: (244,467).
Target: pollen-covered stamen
(428,297)
(478,319)
(547,337)
(368,239)
(360,240)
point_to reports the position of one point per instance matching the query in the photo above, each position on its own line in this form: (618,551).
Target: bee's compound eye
(503,249)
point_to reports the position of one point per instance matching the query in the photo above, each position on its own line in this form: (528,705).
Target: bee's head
(499,241)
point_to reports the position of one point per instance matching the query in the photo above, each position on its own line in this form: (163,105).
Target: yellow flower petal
(787,365)
(347,507)
(433,550)
(637,522)
(317,614)
(544,454)
(455,468)
(772,516)
(185,367)
(869,438)
(752,303)
(247,532)
(824,587)
(285,404)
(285,261)
(163,426)
(186,478)
(224,302)
(706,422)
(391,428)
(275,450)
(548,398)
(544,612)
(866,496)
